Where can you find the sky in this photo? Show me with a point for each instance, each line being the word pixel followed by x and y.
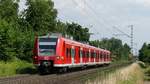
pixel 101 16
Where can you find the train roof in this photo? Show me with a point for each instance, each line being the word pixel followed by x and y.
pixel 82 44
pixel 73 42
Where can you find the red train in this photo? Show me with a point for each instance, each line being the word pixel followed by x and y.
pixel 54 51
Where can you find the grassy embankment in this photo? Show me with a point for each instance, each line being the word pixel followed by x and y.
pixel 147 73
pixel 132 74
pixel 15 67
pixel 146 69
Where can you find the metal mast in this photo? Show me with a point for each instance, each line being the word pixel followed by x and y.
pixel 132 46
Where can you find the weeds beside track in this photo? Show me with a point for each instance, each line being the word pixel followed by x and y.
pixel 75 77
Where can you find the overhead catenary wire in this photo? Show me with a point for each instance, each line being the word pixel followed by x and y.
pixel 95 17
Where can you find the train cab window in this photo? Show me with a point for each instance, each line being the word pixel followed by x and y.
pixel 47 46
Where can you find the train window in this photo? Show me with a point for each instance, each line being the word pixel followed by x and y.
pixel 101 55
pixel 87 54
pixel 48 39
pixel 98 55
pixel 83 53
pixel 67 52
pixel 104 56
pixel 92 54
pixel 107 56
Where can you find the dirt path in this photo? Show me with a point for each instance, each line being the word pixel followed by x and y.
pixel 147 82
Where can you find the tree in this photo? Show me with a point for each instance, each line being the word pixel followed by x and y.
pixel 78 32
pixel 9 10
pixel 8 25
pixel 41 15
pixel 144 53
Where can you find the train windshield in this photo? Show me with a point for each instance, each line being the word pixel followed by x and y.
pixel 47 46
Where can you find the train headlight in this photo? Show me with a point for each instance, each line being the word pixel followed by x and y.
pixel 62 58
pixel 58 57
pixel 35 58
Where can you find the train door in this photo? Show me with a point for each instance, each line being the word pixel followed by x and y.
pixel 68 54
pixel 73 55
pixel 77 54
pixel 101 56
pixel 81 55
pixel 97 56
pixel 94 56
pixel 89 55
pixel 104 57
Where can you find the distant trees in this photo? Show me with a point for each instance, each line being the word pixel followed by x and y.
pixel 118 50
pixel 144 53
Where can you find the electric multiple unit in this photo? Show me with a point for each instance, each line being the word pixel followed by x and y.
pixel 58 52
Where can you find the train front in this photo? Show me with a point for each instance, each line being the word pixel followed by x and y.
pixel 45 53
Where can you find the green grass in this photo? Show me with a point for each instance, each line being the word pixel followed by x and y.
pixel 15 67
pixel 147 73
pixel 132 74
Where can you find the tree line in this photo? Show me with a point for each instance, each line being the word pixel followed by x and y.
pixel 18 29
pixel 119 51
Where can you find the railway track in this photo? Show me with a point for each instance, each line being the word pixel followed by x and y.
pixel 67 78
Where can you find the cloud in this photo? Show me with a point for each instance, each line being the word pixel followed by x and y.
pixel 145 3
pixel 110 13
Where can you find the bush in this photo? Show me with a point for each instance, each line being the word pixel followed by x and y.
pixel 142 64
pixel 16 67
pixel 147 71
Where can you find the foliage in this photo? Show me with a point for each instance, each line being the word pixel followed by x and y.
pixel 144 53
pixel 41 15
pixel 9 10
pixel 8 26
pixel 142 64
pixel 17 30
pixel 78 32
pixel 15 67
pixel 118 50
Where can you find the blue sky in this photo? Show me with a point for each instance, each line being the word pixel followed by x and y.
pixel 101 15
